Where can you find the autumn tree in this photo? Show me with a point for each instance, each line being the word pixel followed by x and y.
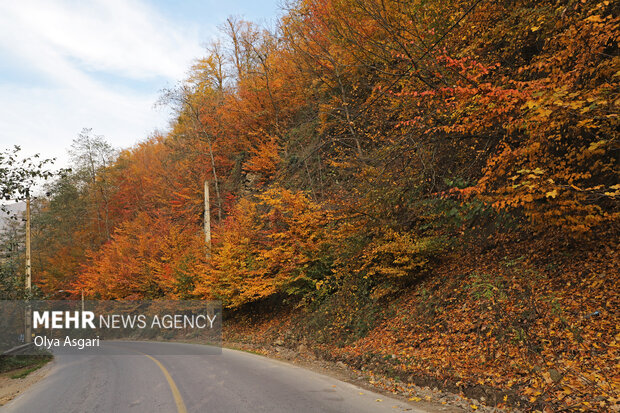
pixel 90 156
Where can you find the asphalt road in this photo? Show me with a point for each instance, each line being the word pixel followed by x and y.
pixel 146 377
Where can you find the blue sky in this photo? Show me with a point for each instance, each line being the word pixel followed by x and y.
pixel 101 64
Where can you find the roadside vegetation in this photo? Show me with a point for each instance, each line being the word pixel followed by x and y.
pixel 425 190
pixel 20 366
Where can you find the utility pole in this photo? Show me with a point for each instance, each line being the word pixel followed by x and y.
pixel 207 220
pixel 28 267
pixel 28 333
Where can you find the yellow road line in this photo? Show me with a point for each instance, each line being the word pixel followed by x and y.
pixel 175 391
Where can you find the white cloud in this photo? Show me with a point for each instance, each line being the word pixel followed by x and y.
pixel 96 64
pixel 45 120
pixel 124 37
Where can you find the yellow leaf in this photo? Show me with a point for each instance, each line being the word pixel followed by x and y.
pixel 473 406
pixel 415 399
pixel 552 194
pixel 544 112
pixel 595 145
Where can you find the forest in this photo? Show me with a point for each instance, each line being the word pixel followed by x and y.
pixel 424 190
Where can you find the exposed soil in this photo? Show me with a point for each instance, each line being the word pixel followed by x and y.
pixel 11 388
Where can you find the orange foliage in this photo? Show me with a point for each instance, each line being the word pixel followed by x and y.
pixel 334 147
pixel 266 247
pixel 148 257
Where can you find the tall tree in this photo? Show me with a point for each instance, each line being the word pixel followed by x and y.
pixel 90 155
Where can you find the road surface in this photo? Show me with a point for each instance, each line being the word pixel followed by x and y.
pixel 146 377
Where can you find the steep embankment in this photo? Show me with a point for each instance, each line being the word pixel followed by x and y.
pixel 519 324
